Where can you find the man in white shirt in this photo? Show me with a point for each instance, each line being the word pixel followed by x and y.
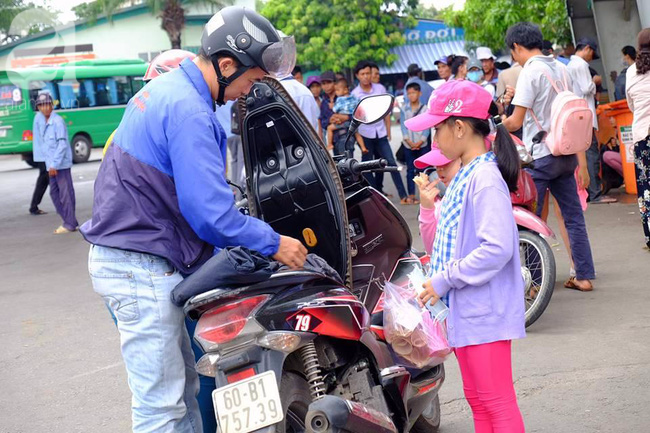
pixel 534 94
pixel 584 86
pixel 303 98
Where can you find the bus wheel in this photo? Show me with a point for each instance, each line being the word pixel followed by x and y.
pixel 81 147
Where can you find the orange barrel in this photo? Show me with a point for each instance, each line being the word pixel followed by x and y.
pixel 623 117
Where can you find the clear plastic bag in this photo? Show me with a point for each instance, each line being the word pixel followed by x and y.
pixel 415 337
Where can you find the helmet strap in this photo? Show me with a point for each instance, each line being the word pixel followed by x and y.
pixel 225 81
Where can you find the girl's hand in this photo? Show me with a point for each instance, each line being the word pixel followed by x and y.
pixel 429 294
pixel 428 191
pixel 583 177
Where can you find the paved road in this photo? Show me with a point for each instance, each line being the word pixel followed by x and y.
pixel 583 368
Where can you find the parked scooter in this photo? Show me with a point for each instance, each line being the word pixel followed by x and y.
pixel 537 259
pixel 302 351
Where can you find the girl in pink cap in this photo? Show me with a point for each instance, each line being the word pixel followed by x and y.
pixel 430 201
pixel 475 261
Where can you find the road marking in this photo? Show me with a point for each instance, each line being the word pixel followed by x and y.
pixel 97 370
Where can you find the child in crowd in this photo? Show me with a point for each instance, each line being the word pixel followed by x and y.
pixel 345 104
pixel 415 144
pixel 476 252
pixel 430 196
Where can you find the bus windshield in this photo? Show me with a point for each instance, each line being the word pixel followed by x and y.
pixel 10 94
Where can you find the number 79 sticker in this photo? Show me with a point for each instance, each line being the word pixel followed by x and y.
pixel 303 322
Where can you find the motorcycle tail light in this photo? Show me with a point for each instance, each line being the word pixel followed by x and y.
pixel 225 322
pixel 27 135
pixel 281 341
pixel 207 365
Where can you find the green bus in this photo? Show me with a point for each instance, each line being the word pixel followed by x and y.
pixel 90 95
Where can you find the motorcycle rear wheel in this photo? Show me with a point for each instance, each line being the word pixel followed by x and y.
pixel 295 398
pixel 429 421
pixel 538 270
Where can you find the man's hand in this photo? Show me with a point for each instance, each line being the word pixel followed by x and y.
pixel 291 252
pixel 508 95
pixel 597 80
pixel 52 172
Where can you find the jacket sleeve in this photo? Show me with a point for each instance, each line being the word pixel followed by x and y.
pixel 205 199
pixel 428 226
pixel 402 119
pixel 55 158
pixel 495 244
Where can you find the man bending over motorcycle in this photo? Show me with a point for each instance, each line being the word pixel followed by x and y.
pixel 162 207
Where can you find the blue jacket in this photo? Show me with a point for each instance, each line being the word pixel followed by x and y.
pixel 50 142
pixel 161 188
pixel 38 148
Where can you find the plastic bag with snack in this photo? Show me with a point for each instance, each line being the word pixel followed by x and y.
pixel 417 339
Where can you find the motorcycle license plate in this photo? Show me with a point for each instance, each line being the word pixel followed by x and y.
pixel 249 404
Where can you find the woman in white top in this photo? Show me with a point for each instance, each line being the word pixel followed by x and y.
pixel 637 89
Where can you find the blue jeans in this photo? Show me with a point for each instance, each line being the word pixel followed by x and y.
pixel 410 156
pixel 380 148
pixel 593 166
pixel 557 174
pixel 154 341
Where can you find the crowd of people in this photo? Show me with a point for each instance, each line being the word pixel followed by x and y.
pixel 170 175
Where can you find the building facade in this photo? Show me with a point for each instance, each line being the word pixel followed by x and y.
pixel 131 33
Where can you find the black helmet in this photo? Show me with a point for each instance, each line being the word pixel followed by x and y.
pixel 250 38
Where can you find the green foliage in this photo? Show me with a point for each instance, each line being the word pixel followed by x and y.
pixel 336 34
pixel 486 22
pixel 428 13
pixel 88 11
pixel 38 20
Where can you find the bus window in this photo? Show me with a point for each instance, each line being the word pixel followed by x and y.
pixel 38 87
pixel 10 95
pixel 77 93
pixel 137 83
pixel 119 90
pixel 68 93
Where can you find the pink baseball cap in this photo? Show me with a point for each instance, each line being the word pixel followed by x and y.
pixel 433 158
pixel 461 98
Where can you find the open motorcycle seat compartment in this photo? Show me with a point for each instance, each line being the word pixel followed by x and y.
pixel 292 181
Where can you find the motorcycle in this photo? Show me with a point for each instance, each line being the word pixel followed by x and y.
pixel 302 351
pixel 537 260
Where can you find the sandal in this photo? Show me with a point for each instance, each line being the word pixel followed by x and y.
pixel 62 230
pixel 38 212
pixel 405 200
pixel 413 200
pixel 571 284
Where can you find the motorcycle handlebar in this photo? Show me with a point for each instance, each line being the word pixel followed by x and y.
pixel 376 164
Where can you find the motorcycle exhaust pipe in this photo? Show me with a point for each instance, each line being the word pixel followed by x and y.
pixel 331 414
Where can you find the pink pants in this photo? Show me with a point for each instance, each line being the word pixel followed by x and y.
pixel 487 381
pixel 614 160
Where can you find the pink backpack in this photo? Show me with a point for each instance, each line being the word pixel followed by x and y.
pixel 571 121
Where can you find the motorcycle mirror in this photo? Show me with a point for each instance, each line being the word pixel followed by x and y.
pixel 373 108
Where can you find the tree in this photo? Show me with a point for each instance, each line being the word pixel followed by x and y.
pixel 427 12
pixel 336 34
pixel 170 12
pixel 486 23
pixel 19 19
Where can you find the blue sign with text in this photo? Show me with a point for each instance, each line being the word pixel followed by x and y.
pixel 433 31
